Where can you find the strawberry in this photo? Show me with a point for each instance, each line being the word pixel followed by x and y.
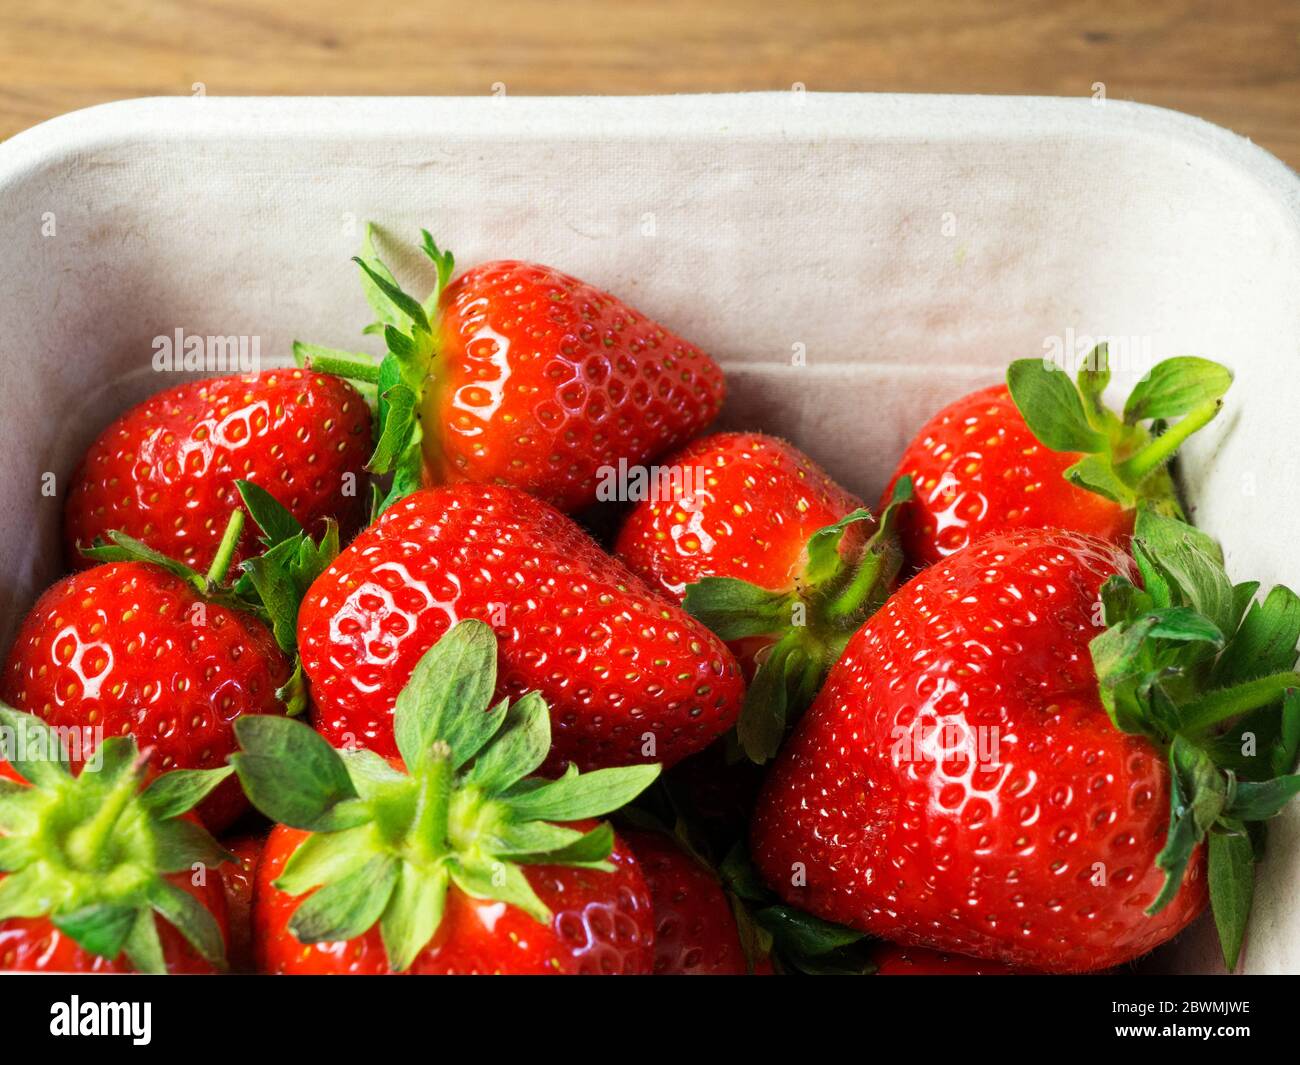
pixel 518 374
pixel 695 929
pixel 893 960
pixel 93 860
pixel 988 772
pixel 628 677
pixel 1039 454
pixel 451 858
pixel 238 877
pixel 164 473
pixel 143 645
pixel 773 556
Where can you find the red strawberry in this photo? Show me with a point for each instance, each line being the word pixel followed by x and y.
pixel 629 678
pixel 237 880
pixel 1037 454
pixel 601 924
pixel 93 860
pixel 519 374
pixel 452 859
pixel 751 504
pixel 893 960
pixel 146 647
pixel 773 556
pixel 695 929
pixel 164 473
pixel 1031 830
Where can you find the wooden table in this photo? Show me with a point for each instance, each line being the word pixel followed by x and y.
pixel 1235 63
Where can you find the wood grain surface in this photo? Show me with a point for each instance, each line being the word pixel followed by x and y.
pixel 1235 62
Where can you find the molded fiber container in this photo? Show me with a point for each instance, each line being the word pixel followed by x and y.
pixel 853 261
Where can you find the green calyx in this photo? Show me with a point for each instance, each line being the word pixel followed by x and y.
pixel 836 592
pixel 91 852
pixel 396 384
pixel 271 585
pixel 386 845
pixel 1124 459
pixel 1207 672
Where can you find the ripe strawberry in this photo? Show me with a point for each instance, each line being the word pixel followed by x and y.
pixel 238 877
pixel 519 374
pixel 459 863
pixel 164 473
pixel 893 960
pixel 146 647
pixel 1037 454
pixel 773 556
pixel 628 677
pixel 92 860
pixel 695 929
pixel 1039 828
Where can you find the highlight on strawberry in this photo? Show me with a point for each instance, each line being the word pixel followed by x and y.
pixel 144 645
pixel 105 870
pixel 453 858
pixel 1075 743
pixel 518 374
pixel 1041 452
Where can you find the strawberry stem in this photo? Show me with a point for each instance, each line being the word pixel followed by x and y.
pixel 429 826
pixel 863 583
pixel 1160 450
pixel 1227 703
pixel 226 550
pixel 85 844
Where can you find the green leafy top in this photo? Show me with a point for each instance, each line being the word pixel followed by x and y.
pixel 1205 671
pixel 271 585
pixel 836 592
pixel 386 845
pixel 91 852
pixel 396 383
pixel 1122 459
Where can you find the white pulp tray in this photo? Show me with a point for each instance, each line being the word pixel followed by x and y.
pixel 854 261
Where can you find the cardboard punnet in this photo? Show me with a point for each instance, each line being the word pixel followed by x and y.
pixel 853 260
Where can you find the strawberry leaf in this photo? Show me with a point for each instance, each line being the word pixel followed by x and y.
pixel 1260 801
pixel 520 747
pixel 574 796
pixel 272 517
pixel 765 711
pixel 734 609
pixel 101 928
pixel 1231 879
pixel 1051 407
pixel 293 776
pixel 175 793
pixel 348 907
pixel 1176 387
pixel 412 916
pixel 448 695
